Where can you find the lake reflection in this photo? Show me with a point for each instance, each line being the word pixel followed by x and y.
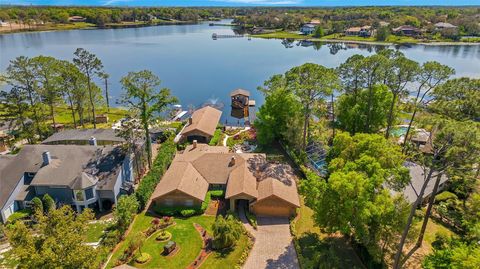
pixel 198 69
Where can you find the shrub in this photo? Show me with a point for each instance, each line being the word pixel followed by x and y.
pixel 226 232
pixel 160 165
pixel 143 258
pixel 252 219
pixel 37 205
pixel 124 212
pixel 216 137
pixel 111 238
pixel 188 212
pixel 18 215
pixel 444 196
pixel 205 202
pixel 48 203
pixel 164 235
pixel 217 194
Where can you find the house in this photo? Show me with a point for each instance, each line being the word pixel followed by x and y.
pixel 315 22
pixel 418 176
pixel 4 23
pixel 84 137
pixel 266 188
pixel 444 25
pixel 202 124
pixel 364 31
pixel 240 98
pixel 76 19
pixel 102 118
pixel 308 29
pixel 80 176
pixel 407 30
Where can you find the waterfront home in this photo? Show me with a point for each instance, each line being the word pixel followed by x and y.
pixel 247 178
pixel 84 137
pixel 444 25
pixel 364 31
pixel 315 22
pixel 4 23
pixel 201 125
pixel 80 176
pixel 240 98
pixel 407 30
pixel 307 29
pixel 76 19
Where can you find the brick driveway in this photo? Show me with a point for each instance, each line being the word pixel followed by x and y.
pixel 273 246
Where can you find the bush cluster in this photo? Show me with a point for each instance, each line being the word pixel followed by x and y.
pixel 217 194
pixel 216 137
pixel 160 165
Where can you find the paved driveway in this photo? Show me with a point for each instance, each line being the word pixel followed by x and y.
pixel 273 248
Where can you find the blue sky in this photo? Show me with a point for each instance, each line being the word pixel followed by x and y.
pixel 242 2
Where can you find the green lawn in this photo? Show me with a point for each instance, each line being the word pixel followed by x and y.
pixel 318 250
pixel 283 34
pixel 63 115
pixel 95 231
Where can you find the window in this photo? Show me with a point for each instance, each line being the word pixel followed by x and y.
pixel 79 195
pixel 89 193
pixel 189 202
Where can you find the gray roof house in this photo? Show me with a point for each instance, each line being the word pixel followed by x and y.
pixel 308 29
pixel 78 175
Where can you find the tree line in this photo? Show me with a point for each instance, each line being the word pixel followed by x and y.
pixel 365 166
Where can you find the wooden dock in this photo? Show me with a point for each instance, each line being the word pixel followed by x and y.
pixel 216 36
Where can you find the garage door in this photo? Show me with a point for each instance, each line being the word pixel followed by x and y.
pixel 262 210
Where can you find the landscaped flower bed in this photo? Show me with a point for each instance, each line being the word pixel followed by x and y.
pixel 163 236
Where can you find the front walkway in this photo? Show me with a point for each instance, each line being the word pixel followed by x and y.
pixel 273 246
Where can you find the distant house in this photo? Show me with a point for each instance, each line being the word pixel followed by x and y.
pixel 407 30
pixel 315 22
pixel 202 124
pixel 80 176
pixel 364 31
pixel 307 29
pixel 4 24
pixel 444 25
pixel 76 19
pixel 84 137
pixel 265 188
pixel 102 118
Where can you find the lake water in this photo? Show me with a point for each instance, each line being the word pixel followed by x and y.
pixel 199 69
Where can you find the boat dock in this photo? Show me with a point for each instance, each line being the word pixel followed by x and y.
pixel 216 36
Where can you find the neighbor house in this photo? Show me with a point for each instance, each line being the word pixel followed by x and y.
pixel 308 29
pixel 407 30
pixel 364 31
pixel 265 188
pixel 202 124
pixel 76 19
pixel 444 25
pixel 78 175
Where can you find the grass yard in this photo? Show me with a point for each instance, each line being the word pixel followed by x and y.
pixel 226 259
pixel 283 34
pixel 317 249
pixel 95 231
pixel 187 238
pixel 64 115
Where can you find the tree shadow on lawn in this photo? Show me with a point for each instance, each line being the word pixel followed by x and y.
pixel 328 252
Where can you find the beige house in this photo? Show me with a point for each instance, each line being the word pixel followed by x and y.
pixel 266 188
pixel 201 126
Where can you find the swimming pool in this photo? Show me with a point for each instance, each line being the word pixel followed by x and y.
pixel 398 131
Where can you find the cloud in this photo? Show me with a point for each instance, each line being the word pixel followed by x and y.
pixel 261 2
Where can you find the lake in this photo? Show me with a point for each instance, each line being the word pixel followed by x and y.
pixel 199 69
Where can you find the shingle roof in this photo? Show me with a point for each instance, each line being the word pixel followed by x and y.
pixel 240 92
pixel 205 165
pixel 68 162
pixel 182 176
pixel 273 187
pixel 204 120
pixel 84 135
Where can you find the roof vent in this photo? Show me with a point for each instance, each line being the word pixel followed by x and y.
pixel 232 161
pixel 47 159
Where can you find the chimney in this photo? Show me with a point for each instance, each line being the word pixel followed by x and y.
pixel 46 158
pixel 92 141
pixel 190 121
pixel 232 161
pixel 194 144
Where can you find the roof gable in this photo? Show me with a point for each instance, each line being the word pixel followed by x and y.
pixel 204 120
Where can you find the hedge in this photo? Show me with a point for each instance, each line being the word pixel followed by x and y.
pixel 18 215
pixel 444 196
pixel 217 193
pixel 160 165
pixel 216 137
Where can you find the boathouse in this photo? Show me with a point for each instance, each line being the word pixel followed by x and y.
pixel 240 98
